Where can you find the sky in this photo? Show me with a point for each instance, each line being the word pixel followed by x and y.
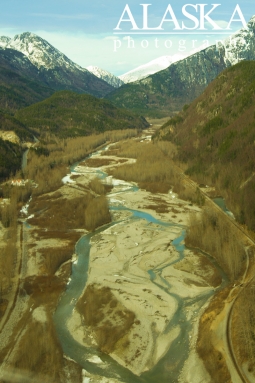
pixel 120 35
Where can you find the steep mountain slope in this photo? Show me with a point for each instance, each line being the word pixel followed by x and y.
pixel 106 76
pixel 172 88
pixel 18 85
pixel 53 68
pixel 149 68
pixel 69 114
pixel 216 136
pixel 39 51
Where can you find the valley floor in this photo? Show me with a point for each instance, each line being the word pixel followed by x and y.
pixel 123 259
pixel 144 297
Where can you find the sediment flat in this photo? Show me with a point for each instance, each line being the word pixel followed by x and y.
pixel 124 257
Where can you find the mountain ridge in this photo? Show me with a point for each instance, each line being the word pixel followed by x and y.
pixel 169 90
pixel 53 68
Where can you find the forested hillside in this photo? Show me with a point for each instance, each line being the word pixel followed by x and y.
pixel 70 114
pixel 216 135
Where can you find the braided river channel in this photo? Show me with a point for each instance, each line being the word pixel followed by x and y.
pixel 188 309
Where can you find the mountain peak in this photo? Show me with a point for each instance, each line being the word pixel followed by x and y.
pixel 170 89
pixel 25 35
pixel 33 56
pixel 251 21
pixel 105 75
pixel 39 51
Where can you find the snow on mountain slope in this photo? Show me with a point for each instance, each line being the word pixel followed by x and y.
pixel 116 82
pixel 40 52
pixel 181 82
pixel 241 45
pixel 4 40
pixel 151 67
pixel 52 67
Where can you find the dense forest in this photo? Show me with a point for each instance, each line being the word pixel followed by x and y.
pixel 70 114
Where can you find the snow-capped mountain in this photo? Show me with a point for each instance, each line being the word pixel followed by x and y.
pixel 55 69
pixel 39 51
pixel 151 67
pixel 115 81
pixel 181 82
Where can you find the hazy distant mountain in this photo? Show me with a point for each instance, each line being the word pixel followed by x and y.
pixel 151 67
pixel 169 90
pixel 54 69
pixel 114 81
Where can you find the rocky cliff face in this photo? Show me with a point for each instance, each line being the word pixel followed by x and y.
pixel 179 84
pixel 53 68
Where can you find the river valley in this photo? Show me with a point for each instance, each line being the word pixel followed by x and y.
pixel 127 307
pixel 141 259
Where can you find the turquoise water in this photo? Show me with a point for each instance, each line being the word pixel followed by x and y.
pixel 74 289
pixel 168 368
pixel 222 204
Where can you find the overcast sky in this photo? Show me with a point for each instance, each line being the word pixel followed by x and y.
pixel 85 30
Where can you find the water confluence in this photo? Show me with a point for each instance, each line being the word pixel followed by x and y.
pixel 169 366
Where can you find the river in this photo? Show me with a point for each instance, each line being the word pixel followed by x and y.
pixel 169 366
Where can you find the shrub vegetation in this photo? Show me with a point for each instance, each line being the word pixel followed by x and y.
pixel 215 138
